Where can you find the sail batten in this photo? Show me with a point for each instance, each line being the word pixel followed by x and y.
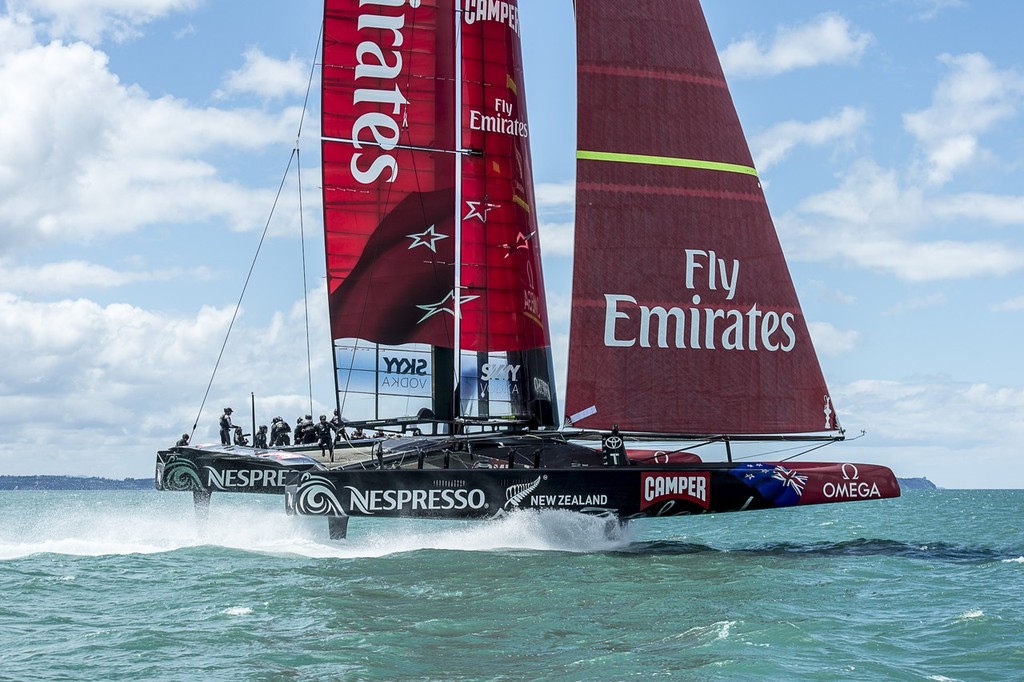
pixel 618 157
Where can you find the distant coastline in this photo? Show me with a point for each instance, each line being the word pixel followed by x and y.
pixel 74 483
pixel 916 484
pixel 97 483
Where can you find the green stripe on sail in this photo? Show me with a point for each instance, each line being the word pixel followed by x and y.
pixel 666 161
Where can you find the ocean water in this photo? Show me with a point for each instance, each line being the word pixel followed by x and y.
pixel 126 586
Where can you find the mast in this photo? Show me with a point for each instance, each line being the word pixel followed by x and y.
pixel 456 370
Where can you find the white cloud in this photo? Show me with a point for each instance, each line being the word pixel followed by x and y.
pixel 919 303
pixel 557 239
pixel 74 172
pixel 773 145
pixel 16 33
pixel 995 209
pixel 939 408
pixel 76 276
pixel 929 9
pixel 556 221
pixel 1011 305
pixel 126 381
pixel 92 20
pixel 972 99
pixel 828 340
pixel 954 432
pixel 556 193
pixel 869 196
pixel 827 39
pixel 873 221
pixel 267 77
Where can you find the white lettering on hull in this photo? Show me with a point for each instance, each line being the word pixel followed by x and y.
pixel 234 479
pixel 850 490
pixel 568 500
pixel 372 501
pixel 656 488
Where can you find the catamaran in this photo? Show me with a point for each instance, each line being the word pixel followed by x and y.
pixel 686 335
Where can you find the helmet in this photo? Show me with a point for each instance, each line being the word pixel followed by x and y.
pixel 228 410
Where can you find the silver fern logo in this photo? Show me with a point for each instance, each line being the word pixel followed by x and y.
pixel 518 492
pixel 181 474
pixel 317 496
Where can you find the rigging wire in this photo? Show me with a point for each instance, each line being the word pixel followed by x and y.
pixel 305 289
pixel 266 228
pixel 302 224
pixel 245 286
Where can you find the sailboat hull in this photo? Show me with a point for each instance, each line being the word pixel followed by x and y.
pixel 626 492
pixel 445 479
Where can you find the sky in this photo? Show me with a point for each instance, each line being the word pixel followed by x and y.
pixel 143 142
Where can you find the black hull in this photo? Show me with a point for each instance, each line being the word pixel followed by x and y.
pixel 450 479
pixel 230 469
pixel 626 492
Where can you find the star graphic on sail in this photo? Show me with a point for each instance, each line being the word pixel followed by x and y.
pixel 521 243
pixel 439 307
pixel 428 238
pixel 479 209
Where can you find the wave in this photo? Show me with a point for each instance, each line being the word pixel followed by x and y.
pixel 936 551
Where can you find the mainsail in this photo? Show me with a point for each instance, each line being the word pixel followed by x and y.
pixel 388 148
pixel 685 319
pixel 432 247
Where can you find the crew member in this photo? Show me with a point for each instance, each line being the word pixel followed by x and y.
pixel 260 439
pixel 325 436
pixel 336 422
pixel 226 427
pixel 183 440
pixel 309 434
pixel 279 432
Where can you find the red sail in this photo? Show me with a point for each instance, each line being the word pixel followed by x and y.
pixel 685 319
pixel 504 315
pixel 503 289
pixel 389 169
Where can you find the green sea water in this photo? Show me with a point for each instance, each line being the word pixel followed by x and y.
pixel 126 586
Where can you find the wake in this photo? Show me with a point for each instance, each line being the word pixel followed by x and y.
pixel 265 528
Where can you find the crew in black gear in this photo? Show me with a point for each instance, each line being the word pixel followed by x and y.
pixel 226 427
pixel 260 439
pixel 325 436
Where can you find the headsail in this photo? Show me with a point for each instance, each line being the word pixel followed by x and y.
pixel 685 319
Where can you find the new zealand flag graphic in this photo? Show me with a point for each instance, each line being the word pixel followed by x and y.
pixel 777 485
